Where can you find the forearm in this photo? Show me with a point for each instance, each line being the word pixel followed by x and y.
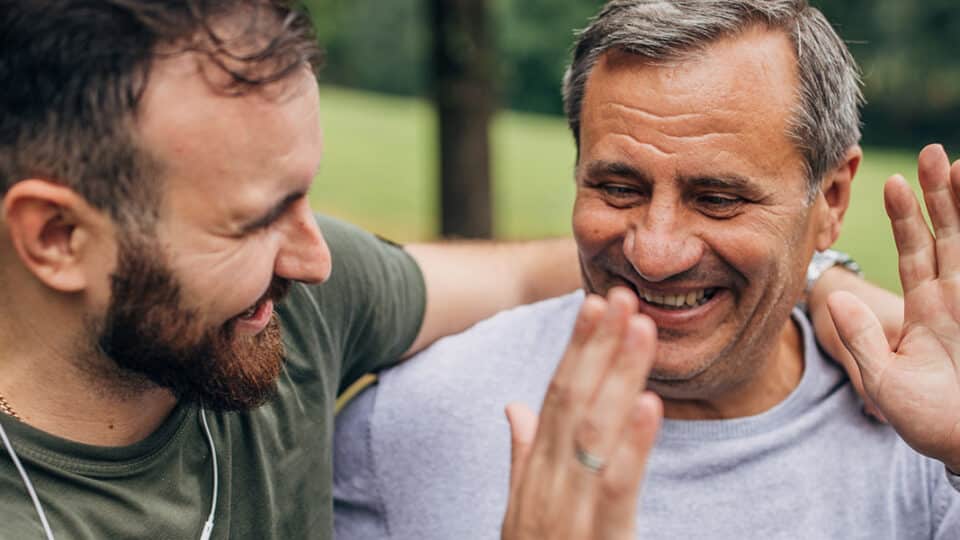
pixel 471 280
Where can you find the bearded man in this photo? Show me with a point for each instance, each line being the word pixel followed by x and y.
pixel 717 142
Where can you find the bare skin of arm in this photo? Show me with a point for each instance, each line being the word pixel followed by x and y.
pixel 470 281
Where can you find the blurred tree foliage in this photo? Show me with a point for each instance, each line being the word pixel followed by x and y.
pixel 907 50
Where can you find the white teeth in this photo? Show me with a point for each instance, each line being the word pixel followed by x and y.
pixel 690 299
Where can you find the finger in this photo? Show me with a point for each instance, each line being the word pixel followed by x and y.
pixel 591 311
pixel 601 427
pixel 523 431
pixel 846 360
pixel 917 256
pixel 826 332
pixel 938 194
pixel 599 352
pixel 955 179
pixel 623 477
pixel 566 390
pixel 572 389
pixel 863 336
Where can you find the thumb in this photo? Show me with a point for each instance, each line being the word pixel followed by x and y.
pixel 523 430
pixel 861 333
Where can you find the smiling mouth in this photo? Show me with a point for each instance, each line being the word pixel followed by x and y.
pixel 688 300
pixel 254 311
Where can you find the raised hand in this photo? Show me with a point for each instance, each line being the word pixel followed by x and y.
pixel 576 471
pixel 917 385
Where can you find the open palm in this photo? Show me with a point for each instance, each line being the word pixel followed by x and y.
pixel 917 386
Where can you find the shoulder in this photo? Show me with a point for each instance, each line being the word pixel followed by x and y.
pixel 361 259
pixel 369 310
pixel 435 427
pixel 457 389
pixel 463 380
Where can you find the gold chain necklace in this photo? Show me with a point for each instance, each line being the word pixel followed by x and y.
pixel 5 408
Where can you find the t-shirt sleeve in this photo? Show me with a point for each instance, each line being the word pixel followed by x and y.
pixel 372 306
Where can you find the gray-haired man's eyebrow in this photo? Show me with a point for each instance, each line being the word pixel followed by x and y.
pixel 723 181
pixel 618 169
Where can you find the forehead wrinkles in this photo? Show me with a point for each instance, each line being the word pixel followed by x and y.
pixel 662 133
pixel 744 86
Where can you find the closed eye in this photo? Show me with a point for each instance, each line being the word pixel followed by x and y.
pixel 274 214
pixel 718 205
pixel 618 191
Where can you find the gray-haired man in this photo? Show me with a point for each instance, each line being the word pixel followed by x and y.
pixel 717 142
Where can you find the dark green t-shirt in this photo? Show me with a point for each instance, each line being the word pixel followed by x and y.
pixel 274 462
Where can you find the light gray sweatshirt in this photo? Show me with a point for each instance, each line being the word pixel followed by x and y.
pixel 425 454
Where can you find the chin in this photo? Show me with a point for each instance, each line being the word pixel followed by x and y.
pixel 683 380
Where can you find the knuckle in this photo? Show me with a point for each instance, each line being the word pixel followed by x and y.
pixel 563 394
pixel 616 488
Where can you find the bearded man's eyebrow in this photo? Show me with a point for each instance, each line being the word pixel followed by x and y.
pixel 274 213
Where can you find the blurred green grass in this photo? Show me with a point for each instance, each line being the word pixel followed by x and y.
pixel 379 172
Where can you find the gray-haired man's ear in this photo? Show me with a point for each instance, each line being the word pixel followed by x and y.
pixel 835 192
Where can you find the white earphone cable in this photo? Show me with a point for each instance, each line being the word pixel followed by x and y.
pixel 207 526
pixel 26 482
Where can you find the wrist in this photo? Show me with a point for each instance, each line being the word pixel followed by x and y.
pixel 830 271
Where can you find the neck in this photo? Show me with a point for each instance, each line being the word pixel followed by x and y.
pixel 48 376
pixel 769 384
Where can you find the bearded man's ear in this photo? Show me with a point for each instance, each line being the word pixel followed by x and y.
pixel 55 233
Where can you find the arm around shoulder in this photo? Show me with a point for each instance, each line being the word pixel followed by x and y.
pixel 471 280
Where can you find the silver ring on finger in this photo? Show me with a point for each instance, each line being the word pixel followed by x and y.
pixel 591 462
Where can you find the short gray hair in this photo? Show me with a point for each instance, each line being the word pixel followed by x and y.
pixel 827 120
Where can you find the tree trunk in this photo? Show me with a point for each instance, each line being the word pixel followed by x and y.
pixel 463 94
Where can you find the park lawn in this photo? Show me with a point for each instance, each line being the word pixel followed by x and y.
pixel 379 171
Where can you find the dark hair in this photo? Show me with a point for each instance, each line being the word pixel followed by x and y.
pixel 72 74
pixel 826 122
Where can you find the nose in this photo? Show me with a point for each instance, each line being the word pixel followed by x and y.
pixel 660 245
pixel 303 255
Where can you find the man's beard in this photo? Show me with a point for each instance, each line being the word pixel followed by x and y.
pixel 151 337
